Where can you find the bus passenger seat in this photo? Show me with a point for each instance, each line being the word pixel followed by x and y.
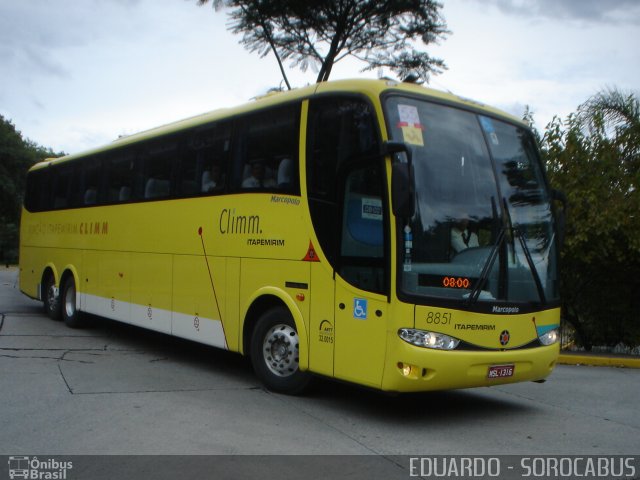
pixel 285 172
pixel 125 194
pixel 156 188
pixel 207 182
pixel 90 196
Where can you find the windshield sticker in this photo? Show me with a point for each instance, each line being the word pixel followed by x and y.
pixel 410 125
pixel 408 246
pixel 409 114
pixel 487 126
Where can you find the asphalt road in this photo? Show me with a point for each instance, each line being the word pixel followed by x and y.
pixel 115 389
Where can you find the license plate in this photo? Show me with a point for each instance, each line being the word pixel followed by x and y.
pixel 501 371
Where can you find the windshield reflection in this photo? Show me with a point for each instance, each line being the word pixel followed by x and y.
pixel 483 227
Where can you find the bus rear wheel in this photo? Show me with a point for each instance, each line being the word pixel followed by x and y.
pixel 275 353
pixel 51 297
pixel 70 314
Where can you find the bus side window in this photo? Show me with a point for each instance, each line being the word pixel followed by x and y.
pixel 205 162
pixel 158 160
pixel 268 158
pixel 91 181
pixel 362 240
pixel 76 189
pixel 38 191
pixel 121 174
pixel 340 131
pixel 63 185
pixel 188 174
pixel 362 232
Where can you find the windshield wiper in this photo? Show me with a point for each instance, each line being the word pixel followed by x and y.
pixel 486 269
pixel 484 275
pixel 513 232
pixel 525 248
pixel 506 232
pixel 532 266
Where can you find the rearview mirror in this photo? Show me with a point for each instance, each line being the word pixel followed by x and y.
pixel 402 190
pixel 392 148
pixel 402 180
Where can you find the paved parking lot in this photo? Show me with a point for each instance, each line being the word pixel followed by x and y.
pixel 115 389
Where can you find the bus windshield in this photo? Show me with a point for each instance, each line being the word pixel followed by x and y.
pixel 483 226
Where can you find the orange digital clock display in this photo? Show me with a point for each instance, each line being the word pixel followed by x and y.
pixel 446 281
pixel 456 282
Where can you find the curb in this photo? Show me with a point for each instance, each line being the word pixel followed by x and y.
pixel 598 361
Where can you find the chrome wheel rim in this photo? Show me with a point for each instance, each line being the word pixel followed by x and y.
pixel 52 298
pixel 280 350
pixel 70 301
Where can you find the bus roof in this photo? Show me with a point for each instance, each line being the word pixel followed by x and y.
pixel 369 87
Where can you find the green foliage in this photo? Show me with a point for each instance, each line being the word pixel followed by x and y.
pixel 382 34
pixel 16 156
pixel 593 156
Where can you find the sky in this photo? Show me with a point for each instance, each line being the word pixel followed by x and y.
pixel 76 74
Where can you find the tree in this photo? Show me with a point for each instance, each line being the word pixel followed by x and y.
pixel 380 33
pixel 593 157
pixel 618 114
pixel 16 156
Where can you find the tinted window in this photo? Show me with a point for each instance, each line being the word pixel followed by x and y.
pixel 63 186
pixel 362 245
pixel 91 181
pixel 196 162
pixel 158 158
pixel 341 131
pixel 205 164
pixel 269 150
pixel 482 224
pixel 121 172
pixel 38 191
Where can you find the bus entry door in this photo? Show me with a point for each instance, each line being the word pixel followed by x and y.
pixel 360 336
pixel 360 279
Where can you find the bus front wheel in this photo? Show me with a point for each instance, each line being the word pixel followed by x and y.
pixel 275 352
pixel 70 314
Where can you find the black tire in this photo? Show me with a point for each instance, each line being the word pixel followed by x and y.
pixel 51 298
pixel 70 314
pixel 275 353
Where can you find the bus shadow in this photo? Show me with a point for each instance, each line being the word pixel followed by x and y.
pixel 417 409
pixel 190 354
pixel 437 407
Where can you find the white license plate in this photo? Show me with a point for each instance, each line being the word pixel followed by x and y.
pixel 501 371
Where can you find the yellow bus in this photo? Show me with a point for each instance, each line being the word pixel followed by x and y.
pixel 372 231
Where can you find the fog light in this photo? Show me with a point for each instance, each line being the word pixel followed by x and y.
pixel 405 369
pixel 550 337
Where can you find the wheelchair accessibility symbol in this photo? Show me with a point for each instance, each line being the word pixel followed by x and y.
pixel 360 308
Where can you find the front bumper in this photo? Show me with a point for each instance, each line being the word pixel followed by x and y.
pixel 415 369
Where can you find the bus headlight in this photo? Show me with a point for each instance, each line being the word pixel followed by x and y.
pixel 549 338
pixel 422 338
